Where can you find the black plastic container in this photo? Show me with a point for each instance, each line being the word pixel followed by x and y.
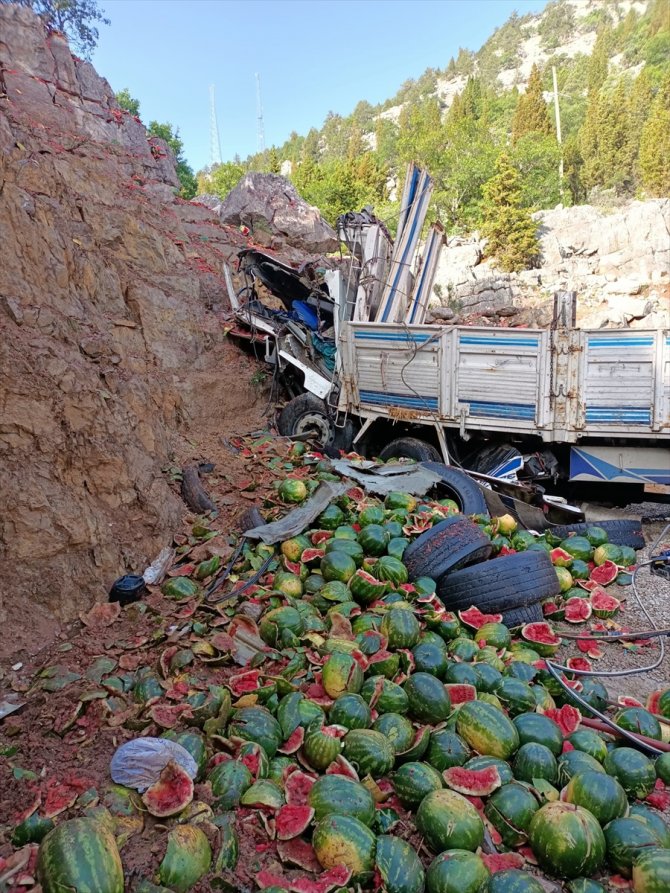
pixel 127 589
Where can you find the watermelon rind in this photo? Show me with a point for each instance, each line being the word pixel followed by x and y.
pixel 187 858
pixel 651 871
pixel 456 871
pixel 634 771
pixel 510 810
pixel 601 794
pixel 337 795
pixel 487 730
pixel 82 855
pixel 626 839
pixel 448 820
pixel 567 840
pixel 344 840
pixel 413 781
pixel 398 865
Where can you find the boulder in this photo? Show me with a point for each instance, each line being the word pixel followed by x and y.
pixel 270 204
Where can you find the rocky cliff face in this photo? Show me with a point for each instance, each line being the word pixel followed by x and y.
pixel 110 338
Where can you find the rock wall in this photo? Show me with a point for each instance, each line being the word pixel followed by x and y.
pixel 618 262
pixel 111 351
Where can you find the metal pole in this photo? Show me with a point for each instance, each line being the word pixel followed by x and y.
pixel 558 129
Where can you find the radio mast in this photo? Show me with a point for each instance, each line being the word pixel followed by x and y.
pixel 214 139
pixel 260 128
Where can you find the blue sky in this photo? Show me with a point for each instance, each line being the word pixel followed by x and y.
pixel 313 56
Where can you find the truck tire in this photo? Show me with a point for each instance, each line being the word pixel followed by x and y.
pixel 307 414
pixel 527 614
pixel 410 448
pixel 460 487
pixel 501 584
pixel 627 532
pixel 449 545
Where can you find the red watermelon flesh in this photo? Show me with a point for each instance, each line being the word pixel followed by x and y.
pixel 502 861
pixel 541 633
pixel 294 742
pixel 298 852
pixel 338 876
pixel 566 717
pixel 293 820
pixel 578 663
pixel 311 555
pixel 459 693
pixel 589 585
pixel 627 701
pixel 297 787
pixel 321 536
pixel 472 782
pixel 577 610
pixel 604 574
pixel 474 618
pixel 171 793
pixel 560 557
pixel 342 766
pixel 603 604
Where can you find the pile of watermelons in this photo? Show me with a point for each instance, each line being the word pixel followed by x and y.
pixel 382 742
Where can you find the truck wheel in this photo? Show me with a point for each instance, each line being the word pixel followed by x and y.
pixel 460 487
pixel 451 544
pixel 528 614
pixel 410 448
pixel 307 414
pixel 621 533
pixel 501 584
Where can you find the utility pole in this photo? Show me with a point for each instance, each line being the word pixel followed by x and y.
pixel 260 128
pixel 558 129
pixel 214 139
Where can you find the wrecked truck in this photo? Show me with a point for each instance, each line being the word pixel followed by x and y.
pixel 351 347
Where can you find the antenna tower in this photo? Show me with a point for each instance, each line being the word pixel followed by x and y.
pixel 260 128
pixel 214 138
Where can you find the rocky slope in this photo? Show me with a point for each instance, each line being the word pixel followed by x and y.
pixel 111 347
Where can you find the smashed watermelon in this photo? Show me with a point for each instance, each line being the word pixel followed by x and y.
pixel 604 574
pixel 473 782
pixel 577 610
pixel 604 605
pixel 171 793
pixel 474 618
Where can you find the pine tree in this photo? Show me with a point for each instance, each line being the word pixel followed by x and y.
pixel 599 61
pixel 532 114
pixel 509 228
pixel 607 145
pixel 274 161
pixel 655 144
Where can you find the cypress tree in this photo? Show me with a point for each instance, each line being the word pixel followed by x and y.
pixel 531 115
pixel 655 144
pixel 509 228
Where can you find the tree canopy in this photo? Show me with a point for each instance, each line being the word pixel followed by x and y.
pixel 77 19
pixel 167 132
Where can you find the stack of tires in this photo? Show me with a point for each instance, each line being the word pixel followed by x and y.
pixel 456 554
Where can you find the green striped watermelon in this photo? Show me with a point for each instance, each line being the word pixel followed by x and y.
pixel 187 858
pixel 365 588
pixel 457 871
pixel 343 840
pixel 398 865
pixel 448 821
pixel 337 795
pixel 391 570
pixel 398 729
pixel 533 761
pixel 413 781
pixel 80 855
pixel 567 840
pixel 350 711
pixel 539 728
pixel 428 698
pixel 487 730
pixel 374 539
pixel 369 751
pixel 651 871
pixel 601 794
pixel 229 780
pixel 628 838
pixel 510 810
pixel 513 880
pixel 401 628
pixel 633 770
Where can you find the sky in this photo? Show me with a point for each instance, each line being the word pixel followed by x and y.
pixel 313 56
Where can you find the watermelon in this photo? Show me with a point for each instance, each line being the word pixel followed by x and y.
pixel 341 672
pixel 331 518
pixel 350 711
pixel 541 729
pixel 170 793
pixel 651 871
pixel 278 622
pixel 456 871
pixel 463 649
pixel 579 569
pixel 578 546
pixel 366 588
pixel 495 634
pixel 565 580
pixel 428 698
pixel 259 725
pixel 486 729
pixel 460 692
pixel 448 821
pixel 396 547
pixel 510 810
pixel 596 535
pixel 560 558
pixel 413 781
pixel 398 865
pixel 229 780
pixel 488 677
pixel 640 721
pixel 344 840
pixel 589 742
pixel 632 769
pixel 194 743
pixel 584 885
pixel 187 858
pixel 474 618
pixel 322 745
pixel 430 657
pixel 659 702
pixel 504 769
pixel 628 556
pixel 398 729
pixel 446 749
pixel 662 766
pixel 574 762
pixel 32 829
pixel 461 674
pixel 567 840
pixel 607 552
pixel 180 588
pixel 374 539
pixel 654 819
pixel 292 490
pixel 348 547
pixel 384 696
pixel 523 540
pixel 542 637
pixel 371 514
pixel 81 855
pixel 294 547
pixel 601 794
pixel 515 695
pixel 603 604
pixel 474 783
pixel 626 839
pixel 533 761
pixel 604 574
pixel 337 566
pixel 577 610
pixel 337 795
pixel 390 570
pixel 513 880
pixel 401 628
pixel 370 752
pixel 397 500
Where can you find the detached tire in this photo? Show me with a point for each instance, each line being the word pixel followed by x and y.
pixel 410 448
pixel 460 487
pixel 519 616
pixel 306 414
pixel 502 584
pixel 449 545
pixel 627 532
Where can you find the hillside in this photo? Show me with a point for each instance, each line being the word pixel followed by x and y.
pixel 612 61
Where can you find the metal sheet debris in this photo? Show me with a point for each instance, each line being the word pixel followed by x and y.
pixel 300 518
pixel 385 479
